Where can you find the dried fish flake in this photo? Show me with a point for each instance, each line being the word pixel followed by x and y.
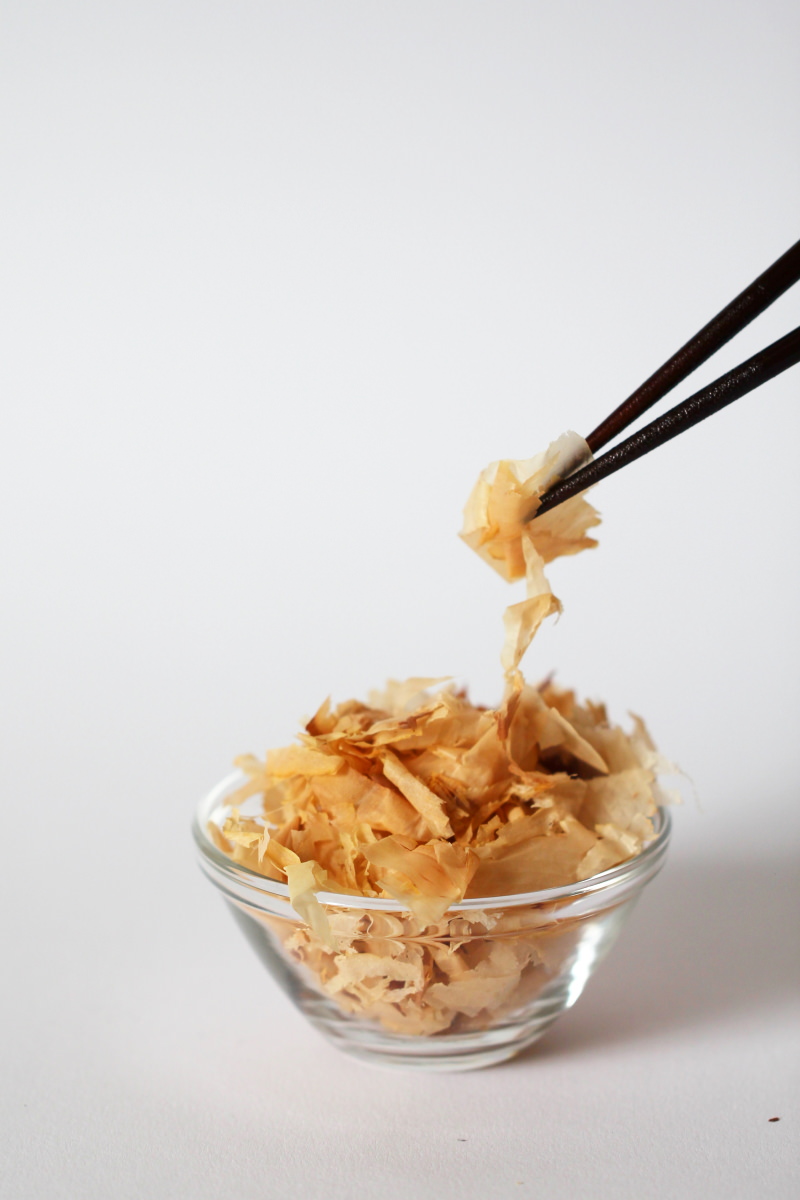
pixel 422 797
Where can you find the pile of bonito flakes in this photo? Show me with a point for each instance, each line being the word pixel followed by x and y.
pixel 421 796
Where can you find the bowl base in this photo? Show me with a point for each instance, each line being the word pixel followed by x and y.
pixel 468 1052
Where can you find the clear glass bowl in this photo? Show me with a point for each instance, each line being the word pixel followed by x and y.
pixel 474 989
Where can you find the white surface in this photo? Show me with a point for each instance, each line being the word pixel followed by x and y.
pixel 278 281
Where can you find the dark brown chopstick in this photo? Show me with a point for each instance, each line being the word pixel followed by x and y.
pixel 740 312
pixel 742 379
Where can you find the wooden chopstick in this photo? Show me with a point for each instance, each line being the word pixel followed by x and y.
pixel 740 312
pixel 742 379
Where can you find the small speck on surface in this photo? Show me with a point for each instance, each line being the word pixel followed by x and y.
pixel 774 1119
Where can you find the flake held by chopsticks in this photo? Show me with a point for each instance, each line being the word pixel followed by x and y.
pixel 495 527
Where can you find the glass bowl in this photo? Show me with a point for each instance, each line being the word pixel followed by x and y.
pixel 474 989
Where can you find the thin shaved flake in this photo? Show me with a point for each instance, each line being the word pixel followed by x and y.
pixel 422 797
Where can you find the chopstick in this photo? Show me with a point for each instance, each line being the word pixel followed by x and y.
pixel 723 391
pixel 720 329
pixel 782 354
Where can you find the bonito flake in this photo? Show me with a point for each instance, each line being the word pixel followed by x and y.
pixel 424 798
pixel 495 527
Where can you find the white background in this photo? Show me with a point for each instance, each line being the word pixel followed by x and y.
pixel 278 280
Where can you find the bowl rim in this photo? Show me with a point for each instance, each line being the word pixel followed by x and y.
pixel 217 864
